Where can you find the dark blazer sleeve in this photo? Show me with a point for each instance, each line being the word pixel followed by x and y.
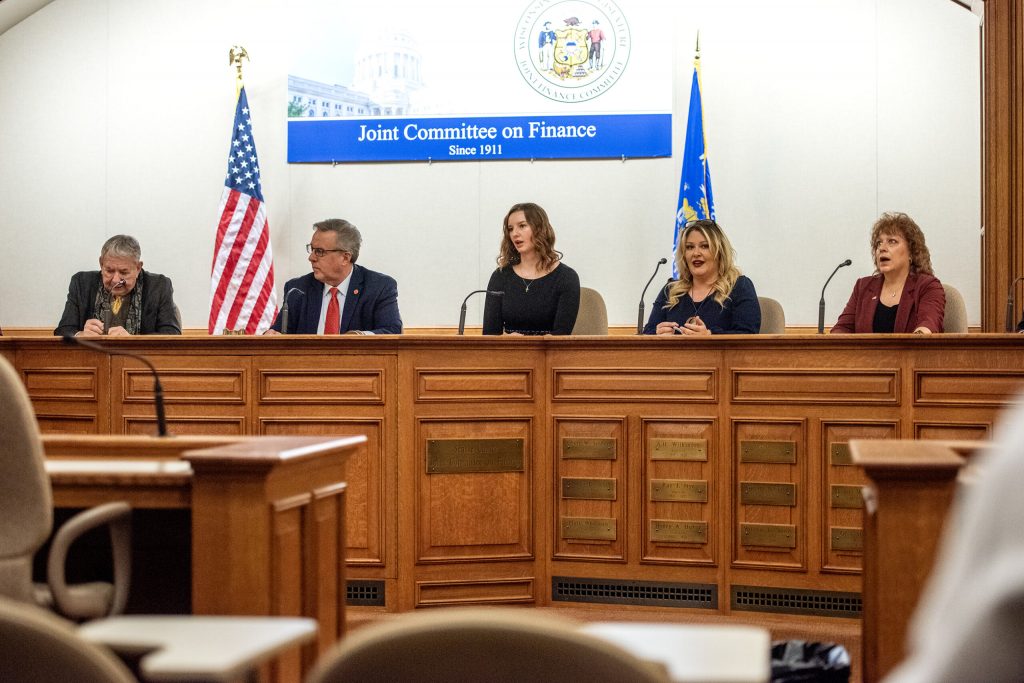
pixel 297 301
pixel 78 306
pixel 568 306
pixel 659 313
pixel 159 314
pixel 745 309
pixel 380 312
pixel 492 305
pixel 847 323
pixel 1020 325
pixel 931 304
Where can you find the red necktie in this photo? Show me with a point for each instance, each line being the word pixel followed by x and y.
pixel 332 324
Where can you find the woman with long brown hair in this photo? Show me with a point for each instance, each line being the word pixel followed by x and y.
pixel 542 294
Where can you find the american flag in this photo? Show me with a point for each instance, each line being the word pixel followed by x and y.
pixel 242 283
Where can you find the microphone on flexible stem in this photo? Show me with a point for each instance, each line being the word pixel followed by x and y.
pixel 158 390
pixel 821 302
pixel 640 313
pixel 284 308
pixel 1010 301
pixel 462 313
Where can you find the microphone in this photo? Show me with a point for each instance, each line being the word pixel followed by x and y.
pixel 1010 301
pixel 821 302
pixel 158 390
pixel 284 308
pixel 640 313
pixel 462 313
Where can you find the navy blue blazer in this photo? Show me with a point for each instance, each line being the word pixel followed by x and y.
pixel 741 313
pixel 371 304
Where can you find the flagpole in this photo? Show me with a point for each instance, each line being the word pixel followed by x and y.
pixel 235 56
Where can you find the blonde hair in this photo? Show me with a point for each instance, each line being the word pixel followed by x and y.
pixel 721 251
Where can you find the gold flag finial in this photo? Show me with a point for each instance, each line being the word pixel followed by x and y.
pixel 235 56
pixel 697 56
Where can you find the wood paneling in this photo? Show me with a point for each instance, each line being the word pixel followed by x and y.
pixel 637 415
pixel 1003 160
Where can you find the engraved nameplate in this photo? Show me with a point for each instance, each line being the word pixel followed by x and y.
pixel 847 497
pixel 588 449
pixel 679 449
pixel 678 491
pixel 675 531
pixel 844 538
pixel 768 451
pixel 767 494
pixel 768 535
pixel 588 489
pixel 458 456
pixel 588 528
pixel 840 453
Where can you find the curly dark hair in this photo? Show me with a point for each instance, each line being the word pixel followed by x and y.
pixel 899 223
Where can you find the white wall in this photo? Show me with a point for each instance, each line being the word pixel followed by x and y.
pixel 819 114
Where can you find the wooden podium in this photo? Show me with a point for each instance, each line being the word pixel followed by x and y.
pixel 268 513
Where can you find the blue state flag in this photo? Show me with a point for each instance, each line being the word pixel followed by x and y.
pixel 695 199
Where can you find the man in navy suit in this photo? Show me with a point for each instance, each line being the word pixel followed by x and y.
pixel 339 297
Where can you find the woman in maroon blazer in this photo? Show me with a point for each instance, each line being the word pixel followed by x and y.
pixel 902 295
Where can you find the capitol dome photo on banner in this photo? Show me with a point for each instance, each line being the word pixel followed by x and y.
pixel 528 79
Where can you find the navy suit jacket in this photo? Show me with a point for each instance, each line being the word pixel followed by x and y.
pixel 371 304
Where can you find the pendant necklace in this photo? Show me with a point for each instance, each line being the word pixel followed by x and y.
pixel 526 283
pixel 696 308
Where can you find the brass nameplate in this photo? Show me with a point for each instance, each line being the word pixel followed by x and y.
pixel 458 456
pixel 768 535
pixel 588 489
pixel 768 451
pixel 679 449
pixel 844 538
pixel 840 453
pixel 767 494
pixel 674 531
pixel 847 497
pixel 588 528
pixel 588 449
pixel 678 491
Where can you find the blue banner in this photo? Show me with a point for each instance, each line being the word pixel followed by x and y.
pixel 592 136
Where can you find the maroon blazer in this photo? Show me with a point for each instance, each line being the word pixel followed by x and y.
pixel 923 304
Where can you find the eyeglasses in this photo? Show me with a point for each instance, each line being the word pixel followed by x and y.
pixel 310 249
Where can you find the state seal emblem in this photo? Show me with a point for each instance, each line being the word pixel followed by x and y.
pixel 573 50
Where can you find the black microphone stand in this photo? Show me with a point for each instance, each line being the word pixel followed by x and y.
pixel 158 390
pixel 284 308
pixel 821 301
pixel 1010 299
pixel 462 311
pixel 640 313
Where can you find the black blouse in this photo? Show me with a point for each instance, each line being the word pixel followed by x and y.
pixel 547 305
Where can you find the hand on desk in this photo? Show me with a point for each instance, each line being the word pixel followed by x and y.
pixel 693 327
pixel 93 328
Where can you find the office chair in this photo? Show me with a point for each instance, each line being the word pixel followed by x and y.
pixel 955 317
pixel 593 315
pixel 38 647
pixel 479 644
pixel 773 318
pixel 26 520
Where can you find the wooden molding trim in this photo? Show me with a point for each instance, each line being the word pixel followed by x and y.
pixel 1002 158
